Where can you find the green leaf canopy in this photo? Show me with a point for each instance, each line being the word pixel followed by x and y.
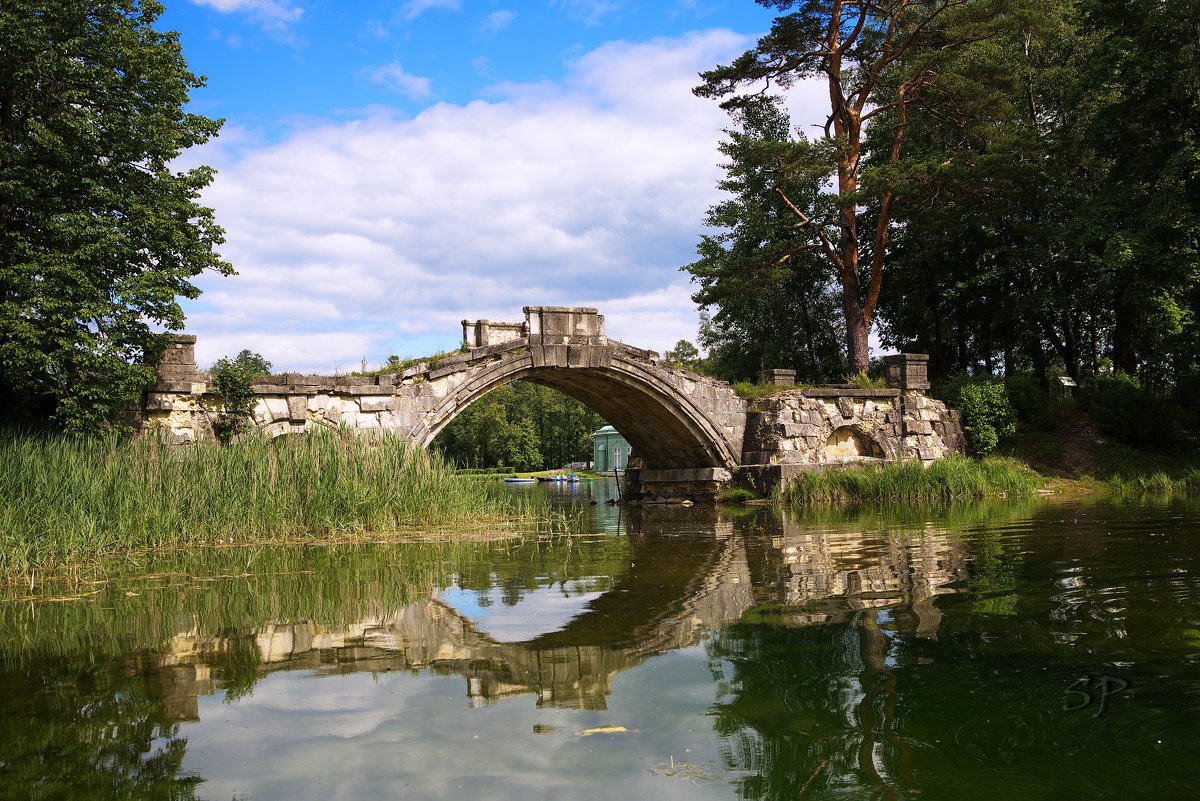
pixel 99 236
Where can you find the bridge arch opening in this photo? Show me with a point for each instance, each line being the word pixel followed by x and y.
pixel 653 418
pixel 849 444
pixel 521 425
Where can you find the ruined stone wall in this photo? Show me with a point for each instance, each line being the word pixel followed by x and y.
pixel 838 426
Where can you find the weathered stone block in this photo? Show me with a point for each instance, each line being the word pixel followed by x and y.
pixel 297 408
pixel 562 323
pixel 440 372
pixel 907 370
pixel 377 403
pixel 176 372
pixel 760 418
pixel 919 427
pixel 778 378
pixel 415 370
pixel 160 401
pixel 272 409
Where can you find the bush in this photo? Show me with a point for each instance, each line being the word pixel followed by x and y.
pixel 988 415
pixel 738 495
pixel 1127 411
pixel 233 378
pixel 865 380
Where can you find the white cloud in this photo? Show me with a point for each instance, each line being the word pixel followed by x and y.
pixel 394 77
pixel 496 22
pixel 273 12
pixel 587 11
pixel 377 236
pixel 415 8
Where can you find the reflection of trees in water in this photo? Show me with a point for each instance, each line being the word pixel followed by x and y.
pixel 820 620
pixel 95 732
pixel 845 680
pixel 808 710
pixel 810 706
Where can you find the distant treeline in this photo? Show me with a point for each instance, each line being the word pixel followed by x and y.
pixel 520 425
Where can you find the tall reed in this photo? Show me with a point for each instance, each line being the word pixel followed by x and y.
pixel 62 499
pixel 950 479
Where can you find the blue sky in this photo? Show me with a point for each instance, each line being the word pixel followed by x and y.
pixel 387 169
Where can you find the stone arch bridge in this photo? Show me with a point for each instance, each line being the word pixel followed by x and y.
pixel 694 434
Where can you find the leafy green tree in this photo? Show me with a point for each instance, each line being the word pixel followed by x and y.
pixel 1065 232
pixel 993 266
pixel 767 300
pixel 98 234
pixel 880 61
pixel 1148 205
pixel 684 354
pixel 520 446
pixel 234 380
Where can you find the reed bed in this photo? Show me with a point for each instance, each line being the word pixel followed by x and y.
pixel 63 499
pixel 955 478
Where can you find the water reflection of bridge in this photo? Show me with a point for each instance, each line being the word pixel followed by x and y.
pixel 676 589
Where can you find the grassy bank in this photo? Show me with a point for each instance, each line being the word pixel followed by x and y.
pixel 65 499
pixel 956 478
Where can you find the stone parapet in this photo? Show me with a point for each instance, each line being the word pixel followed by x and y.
pixel 907 371
pixel 778 378
pixel 178 359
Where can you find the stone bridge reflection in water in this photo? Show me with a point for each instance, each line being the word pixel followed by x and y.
pixel 676 590
pixel 751 654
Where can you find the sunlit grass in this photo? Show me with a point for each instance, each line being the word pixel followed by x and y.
pixel 1159 481
pixel 950 479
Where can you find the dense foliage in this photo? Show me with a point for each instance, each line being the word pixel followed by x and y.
pixel 1041 218
pixel 98 234
pixel 234 379
pixel 774 306
pixel 882 64
pixel 523 426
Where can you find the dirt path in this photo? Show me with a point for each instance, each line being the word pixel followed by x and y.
pixel 1078 436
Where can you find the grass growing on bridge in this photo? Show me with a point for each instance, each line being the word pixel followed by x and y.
pixel 952 479
pixel 65 500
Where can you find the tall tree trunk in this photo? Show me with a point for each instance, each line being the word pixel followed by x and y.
pixel 858 352
pixel 1124 358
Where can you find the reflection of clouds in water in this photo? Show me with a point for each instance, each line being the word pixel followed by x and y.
pixel 404 735
pixel 539 611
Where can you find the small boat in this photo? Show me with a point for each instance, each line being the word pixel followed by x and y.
pixel 519 480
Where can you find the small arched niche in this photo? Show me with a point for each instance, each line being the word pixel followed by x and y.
pixel 846 444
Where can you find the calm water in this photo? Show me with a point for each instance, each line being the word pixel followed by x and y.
pixel 1015 650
